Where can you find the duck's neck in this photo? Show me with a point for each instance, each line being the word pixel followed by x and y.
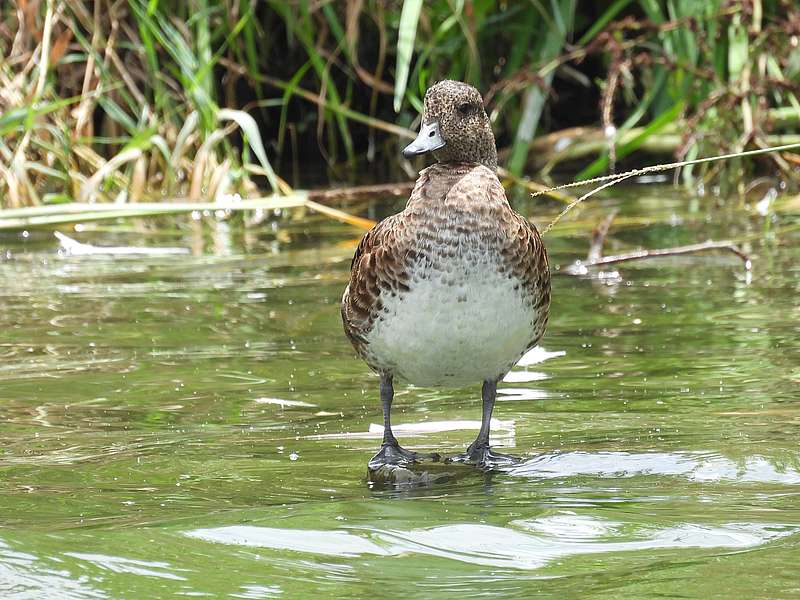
pixel 486 154
pixel 431 194
pixel 490 158
pixel 478 150
pixel 487 161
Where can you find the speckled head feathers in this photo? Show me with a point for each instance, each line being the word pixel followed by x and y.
pixel 463 123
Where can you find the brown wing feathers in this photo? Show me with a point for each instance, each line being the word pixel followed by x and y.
pixel 378 265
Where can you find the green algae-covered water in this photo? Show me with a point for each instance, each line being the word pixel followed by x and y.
pixel 196 424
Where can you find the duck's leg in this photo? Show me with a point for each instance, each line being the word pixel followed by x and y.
pixel 391 453
pixel 479 452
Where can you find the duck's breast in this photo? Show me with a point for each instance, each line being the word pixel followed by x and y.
pixel 476 291
pixel 464 319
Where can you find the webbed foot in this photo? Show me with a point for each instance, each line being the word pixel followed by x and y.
pixel 394 454
pixel 485 458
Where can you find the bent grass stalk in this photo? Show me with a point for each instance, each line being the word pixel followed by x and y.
pixel 46 216
pixel 611 180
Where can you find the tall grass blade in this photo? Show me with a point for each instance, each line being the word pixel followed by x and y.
pixel 554 39
pixel 250 129
pixel 89 189
pixel 604 19
pixel 406 35
pixel 655 126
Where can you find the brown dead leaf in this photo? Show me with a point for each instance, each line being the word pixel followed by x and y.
pixel 60 46
pixel 791 157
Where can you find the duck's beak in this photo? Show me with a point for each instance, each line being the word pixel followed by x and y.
pixel 428 140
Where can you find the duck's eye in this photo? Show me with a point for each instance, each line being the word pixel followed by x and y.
pixel 465 108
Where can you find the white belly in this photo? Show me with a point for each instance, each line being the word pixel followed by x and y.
pixel 455 327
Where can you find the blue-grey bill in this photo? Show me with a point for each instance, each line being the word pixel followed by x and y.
pixel 428 140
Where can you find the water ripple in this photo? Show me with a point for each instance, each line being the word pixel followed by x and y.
pixel 23 575
pixel 696 466
pixel 523 545
pixel 119 564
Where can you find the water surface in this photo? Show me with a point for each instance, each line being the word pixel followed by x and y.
pixel 196 424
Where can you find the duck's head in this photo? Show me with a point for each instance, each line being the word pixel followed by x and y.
pixel 455 126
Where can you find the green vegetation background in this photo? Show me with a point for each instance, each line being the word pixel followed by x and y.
pixel 156 99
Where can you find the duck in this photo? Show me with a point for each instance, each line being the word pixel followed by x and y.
pixel 454 289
